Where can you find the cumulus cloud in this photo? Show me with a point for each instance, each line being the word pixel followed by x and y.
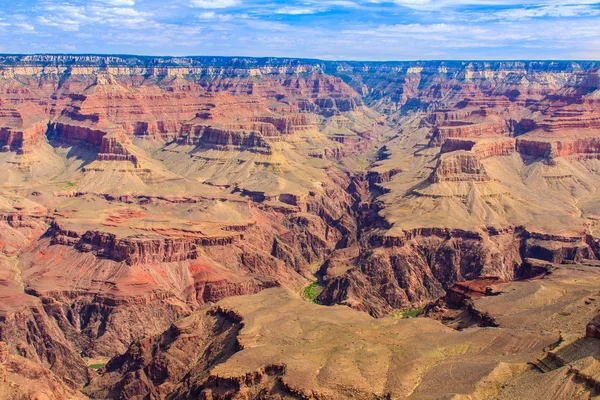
pixel 25 26
pixel 214 3
pixel 567 11
pixel 441 4
pixel 121 3
pixel 69 17
pixel 211 15
pixel 296 10
pixel 337 29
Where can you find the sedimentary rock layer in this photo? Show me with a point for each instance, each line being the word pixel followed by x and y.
pixel 137 190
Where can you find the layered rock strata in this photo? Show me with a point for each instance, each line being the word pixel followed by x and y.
pixel 137 190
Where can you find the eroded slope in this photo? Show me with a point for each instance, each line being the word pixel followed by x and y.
pixel 275 344
pixel 136 190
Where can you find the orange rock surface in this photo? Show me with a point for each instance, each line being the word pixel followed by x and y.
pixel 136 190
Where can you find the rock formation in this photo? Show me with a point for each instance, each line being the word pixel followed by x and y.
pixel 137 190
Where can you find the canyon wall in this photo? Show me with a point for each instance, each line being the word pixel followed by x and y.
pixel 139 189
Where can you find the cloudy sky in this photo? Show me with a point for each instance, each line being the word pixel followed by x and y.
pixel 326 29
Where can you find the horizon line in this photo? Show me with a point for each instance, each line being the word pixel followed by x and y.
pixel 297 58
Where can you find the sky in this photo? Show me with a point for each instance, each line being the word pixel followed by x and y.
pixel 324 29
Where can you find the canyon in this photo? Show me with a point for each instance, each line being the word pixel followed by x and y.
pixel 161 217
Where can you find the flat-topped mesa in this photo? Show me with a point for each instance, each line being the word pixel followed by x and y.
pixel 407 235
pixel 111 144
pixel 113 149
pixel 21 140
pixel 483 148
pixel 460 129
pixel 288 124
pixel 266 129
pixel 295 88
pixel 298 201
pixel 569 120
pixel 551 148
pixel 138 250
pixel 153 129
pixel 489 102
pixel 148 250
pixel 135 250
pixel 65 133
pixel 459 166
pixel 558 251
pixel 334 106
pixel 442 115
pixel 224 138
pixel 478 116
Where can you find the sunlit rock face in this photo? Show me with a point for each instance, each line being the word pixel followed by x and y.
pixel 135 191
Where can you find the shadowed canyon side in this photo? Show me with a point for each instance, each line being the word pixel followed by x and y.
pixel 137 191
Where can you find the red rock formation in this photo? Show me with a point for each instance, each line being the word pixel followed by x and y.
pixel 288 124
pixel 289 136
pixel 210 136
pixel 459 166
pixel 418 266
pixel 468 130
pixel 482 148
pixel 551 148
pixel 23 379
pixel 113 149
pixel 72 134
pixel 592 330
pixel 22 140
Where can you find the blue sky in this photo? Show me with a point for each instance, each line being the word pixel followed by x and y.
pixel 326 29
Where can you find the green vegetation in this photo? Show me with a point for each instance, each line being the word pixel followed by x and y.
pixel 68 184
pixel 97 366
pixel 363 162
pixel 312 291
pixel 412 313
pixel 408 313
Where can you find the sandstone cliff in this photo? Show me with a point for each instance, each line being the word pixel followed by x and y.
pixel 138 189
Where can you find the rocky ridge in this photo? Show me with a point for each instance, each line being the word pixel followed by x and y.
pixel 140 189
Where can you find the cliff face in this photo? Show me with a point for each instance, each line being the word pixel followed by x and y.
pixel 169 187
pixel 138 189
pixel 274 344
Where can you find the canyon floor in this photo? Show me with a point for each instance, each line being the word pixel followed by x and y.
pixel 238 228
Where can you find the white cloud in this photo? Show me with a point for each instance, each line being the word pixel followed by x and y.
pixel 71 18
pixel 64 24
pixel 296 10
pixel 371 29
pixel 269 26
pixel 548 11
pixel 211 15
pixel 25 26
pixel 410 29
pixel 440 4
pixel 120 3
pixel 214 3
